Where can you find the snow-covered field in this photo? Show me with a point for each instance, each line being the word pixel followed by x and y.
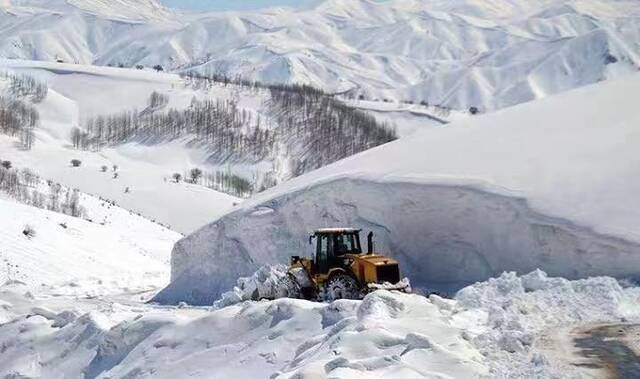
pixel 550 184
pixel 463 54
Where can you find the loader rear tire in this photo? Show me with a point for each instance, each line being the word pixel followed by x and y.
pixel 342 286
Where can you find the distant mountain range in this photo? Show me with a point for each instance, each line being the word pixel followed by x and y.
pixel 456 54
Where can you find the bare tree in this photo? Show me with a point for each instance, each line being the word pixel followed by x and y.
pixel 195 174
pixel 18 119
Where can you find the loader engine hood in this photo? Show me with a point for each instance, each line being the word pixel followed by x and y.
pixel 375 268
pixel 376 260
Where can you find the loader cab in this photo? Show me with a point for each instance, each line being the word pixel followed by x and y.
pixel 331 244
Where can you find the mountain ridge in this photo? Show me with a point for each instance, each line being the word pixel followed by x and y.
pixel 455 55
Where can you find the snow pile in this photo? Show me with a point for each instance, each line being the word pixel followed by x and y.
pixel 385 335
pixel 266 283
pixel 508 191
pixel 269 283
pixel 519 308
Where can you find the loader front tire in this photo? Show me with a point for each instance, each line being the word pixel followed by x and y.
pixel 341 286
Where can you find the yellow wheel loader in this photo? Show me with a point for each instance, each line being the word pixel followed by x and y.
pixel 340 269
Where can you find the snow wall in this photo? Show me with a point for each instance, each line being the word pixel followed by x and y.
pixel 444 236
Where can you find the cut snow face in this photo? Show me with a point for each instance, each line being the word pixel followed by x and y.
pixel 506 191
pixel 461 55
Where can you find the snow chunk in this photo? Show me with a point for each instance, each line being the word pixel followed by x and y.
pixel 266 283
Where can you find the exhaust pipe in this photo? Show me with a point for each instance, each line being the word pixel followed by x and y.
pixel 370 243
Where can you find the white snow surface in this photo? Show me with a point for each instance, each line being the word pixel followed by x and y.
pixel 116 251
pixel 489 330
pixel 385 335
pixel 455 54
pixel 550 184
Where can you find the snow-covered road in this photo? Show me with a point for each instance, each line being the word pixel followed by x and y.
pixel 594 350
pixel 609 350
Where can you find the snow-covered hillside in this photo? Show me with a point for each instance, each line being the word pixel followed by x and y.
pixel 550 184
pixel 463 54
pixel 116 10
pixel 115 251
pixel 247 137
pixel 79 92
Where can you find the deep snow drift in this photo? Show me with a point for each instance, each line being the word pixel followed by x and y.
pixel 551 184
pixel 456 54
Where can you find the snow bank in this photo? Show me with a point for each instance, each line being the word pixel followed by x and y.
pixel 490 330
pixel 508 191
pixel 444 237
pixel 266 283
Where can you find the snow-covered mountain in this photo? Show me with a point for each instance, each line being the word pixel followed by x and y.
pixel 550 184
pixel 117 10
pixel 458 54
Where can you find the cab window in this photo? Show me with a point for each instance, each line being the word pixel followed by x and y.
pixel 346 244
pixel 322 254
